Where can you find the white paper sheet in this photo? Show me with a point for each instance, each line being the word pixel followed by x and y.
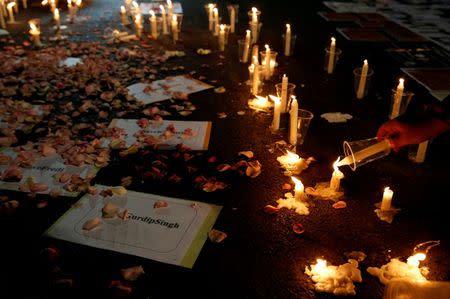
pixel 164 89
pixel 174 234
pixel 199 141
pixel 146 6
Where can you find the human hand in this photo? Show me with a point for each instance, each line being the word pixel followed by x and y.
pixel 401 134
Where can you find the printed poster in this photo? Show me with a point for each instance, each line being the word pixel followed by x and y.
pixel 197 139
pixel 165 89
pixel 174 234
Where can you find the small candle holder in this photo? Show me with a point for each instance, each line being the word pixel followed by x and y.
pixel 290 92
pixel 251 77
pixel 399 106
pixel 272 62
pixel 360 152
pixel 291 44
pixel 242 51
pixel 327 66
pixel 303 120
pixel 357 79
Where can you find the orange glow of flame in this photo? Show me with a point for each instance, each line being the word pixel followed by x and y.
pixel 298 184
pixel 416 259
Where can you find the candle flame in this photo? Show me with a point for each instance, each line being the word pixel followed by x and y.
pixel 122 8
pixel 333 41
pixel 152 13
pixel 78 3
pixel 267 48
pixel 135 4
pixel 44 2
pixel 336 164
pixel 254 10
pixel 222 27
pixel 69 3
pixel 137 19
pixel 321 265
pixel 211 6
pixel 56 14
pixel 251 68
pixel 288 27
pixel 416 259
pixel 262 100
pixel 401 82
pixel 298 184
pixel 247 32
pixel 387 189
pixel 365 62
pixel 10 5
pixel 174 18
pixel 169 3
pixel 275 99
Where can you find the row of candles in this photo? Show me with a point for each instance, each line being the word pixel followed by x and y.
pixel 167 22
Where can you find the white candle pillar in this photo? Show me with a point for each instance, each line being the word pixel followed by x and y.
pixel 387 199
pixel 25 4
pixel 35 34
pixel 362 80
pixel 174 28
pixel 164 20
pixel 210 16
pixel 267 63
pixel 299 189
pixel 216 21
pixel 336 177
pixel 293 122
pixel 10 6
pixel 2 17
pixel 421 152
pixel 57 19
pixel 255 84
pixel 246 47
pixel 222 38
pixel 138 25
pixel 254 25
pixel 397 99
pixel 153 25
pixel 123 15
pixel 169 10
pixel 232 19
pixel 331 56
pixel 284 92
pixel 287 41
pixel 276 112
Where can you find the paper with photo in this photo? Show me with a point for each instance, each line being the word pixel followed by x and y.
pixel 43 171
pixel 174 234
pixel 165 89
pixel 197 139
pixel 147 6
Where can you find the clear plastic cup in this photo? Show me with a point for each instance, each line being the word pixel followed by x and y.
pixel 418 152
pixel 289 93
pixel 243 51
pixel 330 65
pixel 291 44
pixel 399 105
pixel 360 152
pixel 361 89
pixel 272 63
pixel 303 120
pixel 256 89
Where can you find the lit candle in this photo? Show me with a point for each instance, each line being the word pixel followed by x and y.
pixel 70 8
pixel 52 5
pixel 284 90
pixel 57 19
pixel 415 259
pixel 123 14
pixel 25 4
pixel 293 121
pixel 138 25
pixel 35 34
pixel 255 54
pixel 222 38
pixel 336 177
pixel 362 80
pixel 216 21
pixel 10 6
pixel 291 161
pixel 421 152
pixel 2 17
pixel 246 47
pixel 287 42
pixel 232 19
pixel 169 10
pixel 276 112
pixel 154 28
pixel 254 25
pixel 255 85
pixel 267 63
pixel 210 16
pixel 164 20
pixel 397 99
pixel 75 8
pixel 299 189
pixel 259 103
pixel 387 199
pixel 331 56
pixel 174 28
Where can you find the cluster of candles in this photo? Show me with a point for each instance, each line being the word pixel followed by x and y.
pixel 219 29
pixel 8 9
pixel 166 23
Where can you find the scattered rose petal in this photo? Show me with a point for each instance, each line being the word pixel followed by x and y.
pixel 92 223
pixel 132 273
pixel 109 210
pixel 248 154
pixel 286 186
pixel 184 113
pixel 298 228
pixel 223 167
pixel 340 205
pixel 216 236
pixel 202 51
pixel 41 204
pixel 241 112
pixel 123 214
pixel 221 115
pixel 160 204
pixel 120 289
pixel 269 209
pixel 253 169
pixel 220 89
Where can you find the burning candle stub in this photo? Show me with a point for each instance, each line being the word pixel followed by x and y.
pixel 297 201
pixel 328 190
pixel 276 113
pixel 35 34
pixel 10 6
pixel 397 269
pixel 385 211
pixel 293 163
pixel 260 104
pixel 337 280
pixel 336 177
